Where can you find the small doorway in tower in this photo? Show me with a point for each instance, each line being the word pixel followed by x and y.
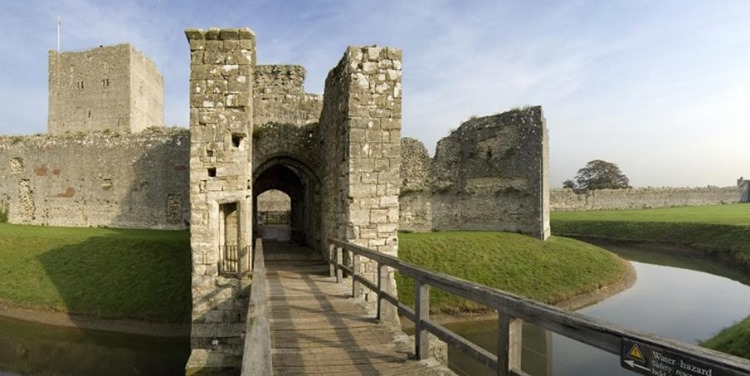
pixel 229 238
pixel 274 215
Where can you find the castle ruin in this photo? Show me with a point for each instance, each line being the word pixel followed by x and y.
pixel 338 157
pixel 113 88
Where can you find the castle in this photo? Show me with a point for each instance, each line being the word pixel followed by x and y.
pixel 107 159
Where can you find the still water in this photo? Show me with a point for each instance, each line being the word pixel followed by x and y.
pixel 35 349
pixel 683 301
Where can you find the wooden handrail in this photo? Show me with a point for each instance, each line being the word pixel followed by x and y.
pixel 256 357
pixel 512 311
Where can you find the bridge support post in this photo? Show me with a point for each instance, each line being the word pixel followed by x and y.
pixel 355 282
pixel 422 312
pixel 382 281
pixel 509 344
pixel 331 260
pixel 339 262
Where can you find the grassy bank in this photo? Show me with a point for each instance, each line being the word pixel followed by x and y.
pixel 551 271
pixel 721 230
pixel 138 274
pixel 733 214
pixel 733 340
pixel 145 274
pixel 718 230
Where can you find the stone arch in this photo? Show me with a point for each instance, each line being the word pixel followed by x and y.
pixel 300 182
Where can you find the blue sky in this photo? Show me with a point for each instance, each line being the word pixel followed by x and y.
pixel 662 88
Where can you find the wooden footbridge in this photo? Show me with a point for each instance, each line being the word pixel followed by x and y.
pixel 316 328
pixel 303 321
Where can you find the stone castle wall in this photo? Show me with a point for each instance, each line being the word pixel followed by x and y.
pixel 147 94
pixel 333 171
pixel 279 96
pixel 361 179
pixel 113 88
pixel 221 88
pixel 97 179
pixel 415 201
pixel 489 174
pixel 640 198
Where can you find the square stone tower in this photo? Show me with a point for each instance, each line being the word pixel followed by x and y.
pixel 221 125
pixel 112 88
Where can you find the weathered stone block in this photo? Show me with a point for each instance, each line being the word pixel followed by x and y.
pixel 229 34
pixel 379 216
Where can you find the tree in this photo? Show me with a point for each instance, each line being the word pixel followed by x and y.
pixel 569 184
pixel 599 174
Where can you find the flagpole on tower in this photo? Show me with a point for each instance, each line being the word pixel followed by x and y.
pixel 59 22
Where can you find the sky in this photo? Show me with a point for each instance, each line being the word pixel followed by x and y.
pixel 661 88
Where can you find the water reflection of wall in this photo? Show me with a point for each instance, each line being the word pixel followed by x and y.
pixel 536 357
pixel 34 349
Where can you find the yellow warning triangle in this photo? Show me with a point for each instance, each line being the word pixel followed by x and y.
pixel 635 353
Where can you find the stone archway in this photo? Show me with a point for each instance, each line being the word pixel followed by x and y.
pixel 302 185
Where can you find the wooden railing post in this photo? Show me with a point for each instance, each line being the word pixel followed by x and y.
pixel 422 312
pixel 509 344
pixel 382 281
pixel 355 281
pixel 339 262
pixel 332 260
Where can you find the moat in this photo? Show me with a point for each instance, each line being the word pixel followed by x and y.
pixel 684 296
pixel 670 298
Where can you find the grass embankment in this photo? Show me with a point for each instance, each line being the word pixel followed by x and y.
pixel 552 271
pixel 732 340
pixel 733 214
pixel 722 230
pixel 109 273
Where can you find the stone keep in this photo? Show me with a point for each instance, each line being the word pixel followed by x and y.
pixel 221 87
pixel 113 88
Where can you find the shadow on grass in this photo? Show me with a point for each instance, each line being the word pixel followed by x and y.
pixel 124 274
pixel 133 275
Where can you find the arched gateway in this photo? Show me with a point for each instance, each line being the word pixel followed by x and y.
pixel 254 129
pixel 302 186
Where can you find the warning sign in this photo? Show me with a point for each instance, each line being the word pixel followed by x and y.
pixel 657 361
pixel 636 354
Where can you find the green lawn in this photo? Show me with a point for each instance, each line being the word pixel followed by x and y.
pixel 550 271
pixel 732 214
pixel 112 273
